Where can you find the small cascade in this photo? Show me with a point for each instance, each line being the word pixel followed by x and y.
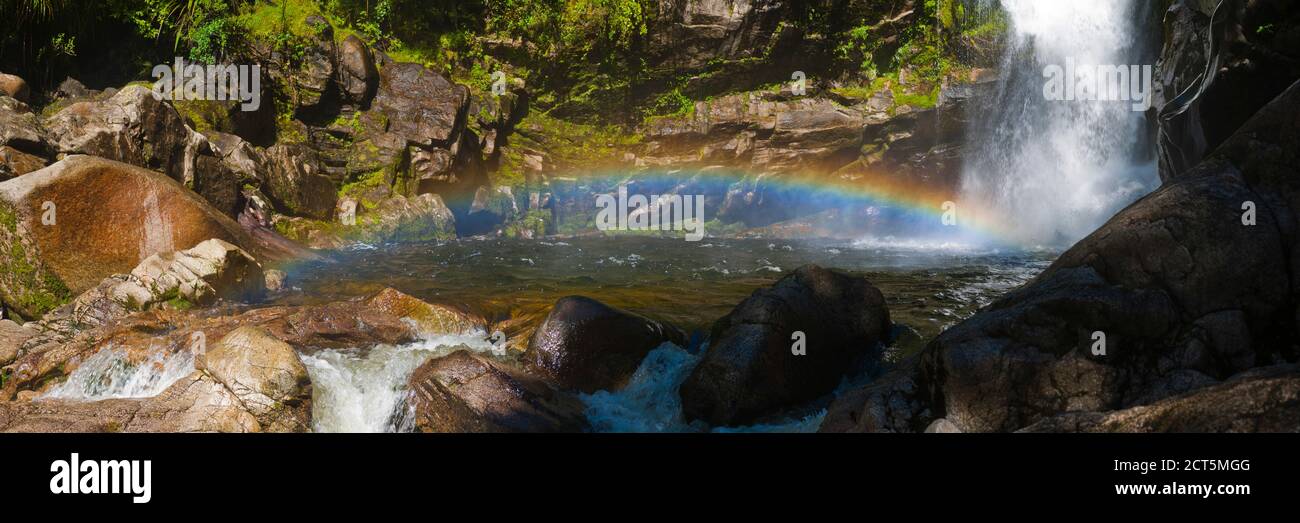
pixel 114 373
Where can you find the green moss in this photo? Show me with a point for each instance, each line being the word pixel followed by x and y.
pixel 31 286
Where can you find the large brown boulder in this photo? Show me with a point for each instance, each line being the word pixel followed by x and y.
pixel 104 217
pixel 463 392
pixel 751 368
pixel 586 345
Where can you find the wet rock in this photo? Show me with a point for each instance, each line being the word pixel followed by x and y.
pixel 588 346
pixel 266 375
pixel 464 392
pixel 295 184
pixel 340 325
pixel 429 318
pixel 750 368
pixel 358 76
pixel 1262 400
pixel 134 126
pixel 14 87
pixel 66 227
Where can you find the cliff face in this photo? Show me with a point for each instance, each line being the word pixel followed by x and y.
pixel 1192 286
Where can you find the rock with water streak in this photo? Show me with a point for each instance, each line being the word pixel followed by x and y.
pixel 66 227
pixel 588 346
pixel 751 368
pixel 464 392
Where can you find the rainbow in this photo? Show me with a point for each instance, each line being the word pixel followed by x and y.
pixel 908 202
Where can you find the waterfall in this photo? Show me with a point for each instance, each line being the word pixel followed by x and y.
pixel 1054 170
pixel 366 391
pixel 115 373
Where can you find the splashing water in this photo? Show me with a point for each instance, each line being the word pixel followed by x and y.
pixel 111 374
pixel 367 392
pixel 1055 170
pixel 650 401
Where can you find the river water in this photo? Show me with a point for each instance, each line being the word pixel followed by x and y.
pixel 928 288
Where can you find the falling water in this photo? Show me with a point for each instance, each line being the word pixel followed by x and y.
pixel 114 373
pixel 366 392
pixel 1054 170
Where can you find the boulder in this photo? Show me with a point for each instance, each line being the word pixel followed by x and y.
pixel 491 208
pixel 1261 400
pixel 19 128
pixel 358 76
pixel 750 368
pixel 12 336
pixel 134 126
pixel 15 163
pixel 400 219
pixel 464 392
pixel 14 87
pixel 429 319
pixel 66 227
pixel 340 325
pixel 586 345
pixel 295 183
pixel 420 105
pixel 200 275
pixel 265 374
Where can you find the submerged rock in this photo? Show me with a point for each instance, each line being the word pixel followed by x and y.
pixel 588 346
pixel 464 392
pixel 429 318
pixel 751 368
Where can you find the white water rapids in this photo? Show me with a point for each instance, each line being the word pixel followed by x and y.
pixel 1052 171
